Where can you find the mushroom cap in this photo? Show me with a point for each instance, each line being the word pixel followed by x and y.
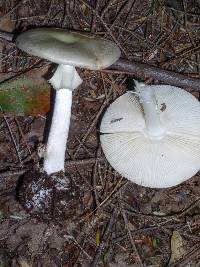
pixel 153 163
pixel 70 48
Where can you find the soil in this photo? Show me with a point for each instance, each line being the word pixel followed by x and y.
pixel 111 222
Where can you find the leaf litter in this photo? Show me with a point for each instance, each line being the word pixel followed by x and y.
pixel 152 227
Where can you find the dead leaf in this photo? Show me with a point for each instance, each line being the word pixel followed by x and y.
pixel 23 263
pixel 177 247
pixel 27 95
pixel 85 9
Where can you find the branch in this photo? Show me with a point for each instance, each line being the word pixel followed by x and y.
pixel 141 70
pixel 7 36
pixel 144 71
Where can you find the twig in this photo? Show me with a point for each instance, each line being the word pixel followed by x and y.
pixel 130 236
pixel 145 71
pixel 116 188
pixel 93 22
pixel 119 13
pixel 105 26
pixel 22 73
pixel 163 39
pixel 145 41
pixel 80 247
pixel 6 36
pixel 22 135
pixel 130 12
pixel 181 55
pixel 92 124
pixel 13 140
pixel 105 238
pixel 183 12
pixel 96 118
pixel 178 214
pixel 104 86
pixel 106 7
pixel 94 178
pixel 15 8
pixel 11 173
pixel 84 147
pixel 71 6
pixel 146 230
pixel 71 163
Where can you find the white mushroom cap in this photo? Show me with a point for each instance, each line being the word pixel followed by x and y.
pixel 69 48
pixel 153 163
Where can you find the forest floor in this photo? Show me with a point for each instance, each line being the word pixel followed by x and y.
pixel 116 223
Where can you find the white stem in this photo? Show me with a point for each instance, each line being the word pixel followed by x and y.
pixel 154 127
pixel 65 80
pixel 57 139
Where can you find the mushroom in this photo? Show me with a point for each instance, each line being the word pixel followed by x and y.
pixel 68 50
pixel 152 136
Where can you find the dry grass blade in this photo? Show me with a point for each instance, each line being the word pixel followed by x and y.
pixel 105 238
pixel 13 140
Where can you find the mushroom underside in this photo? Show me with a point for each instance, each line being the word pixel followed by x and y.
pixel 153 163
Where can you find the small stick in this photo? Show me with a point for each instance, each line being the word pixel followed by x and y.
pixel 7 174
pixel 105 239
pixel 145 71
pixel 139 260
pixel 22 135
pixel 105 201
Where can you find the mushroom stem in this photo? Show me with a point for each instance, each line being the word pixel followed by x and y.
pixel 154 127
pixel 64 80
pixel 57 139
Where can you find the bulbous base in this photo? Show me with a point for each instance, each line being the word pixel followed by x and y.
pixel 48 197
